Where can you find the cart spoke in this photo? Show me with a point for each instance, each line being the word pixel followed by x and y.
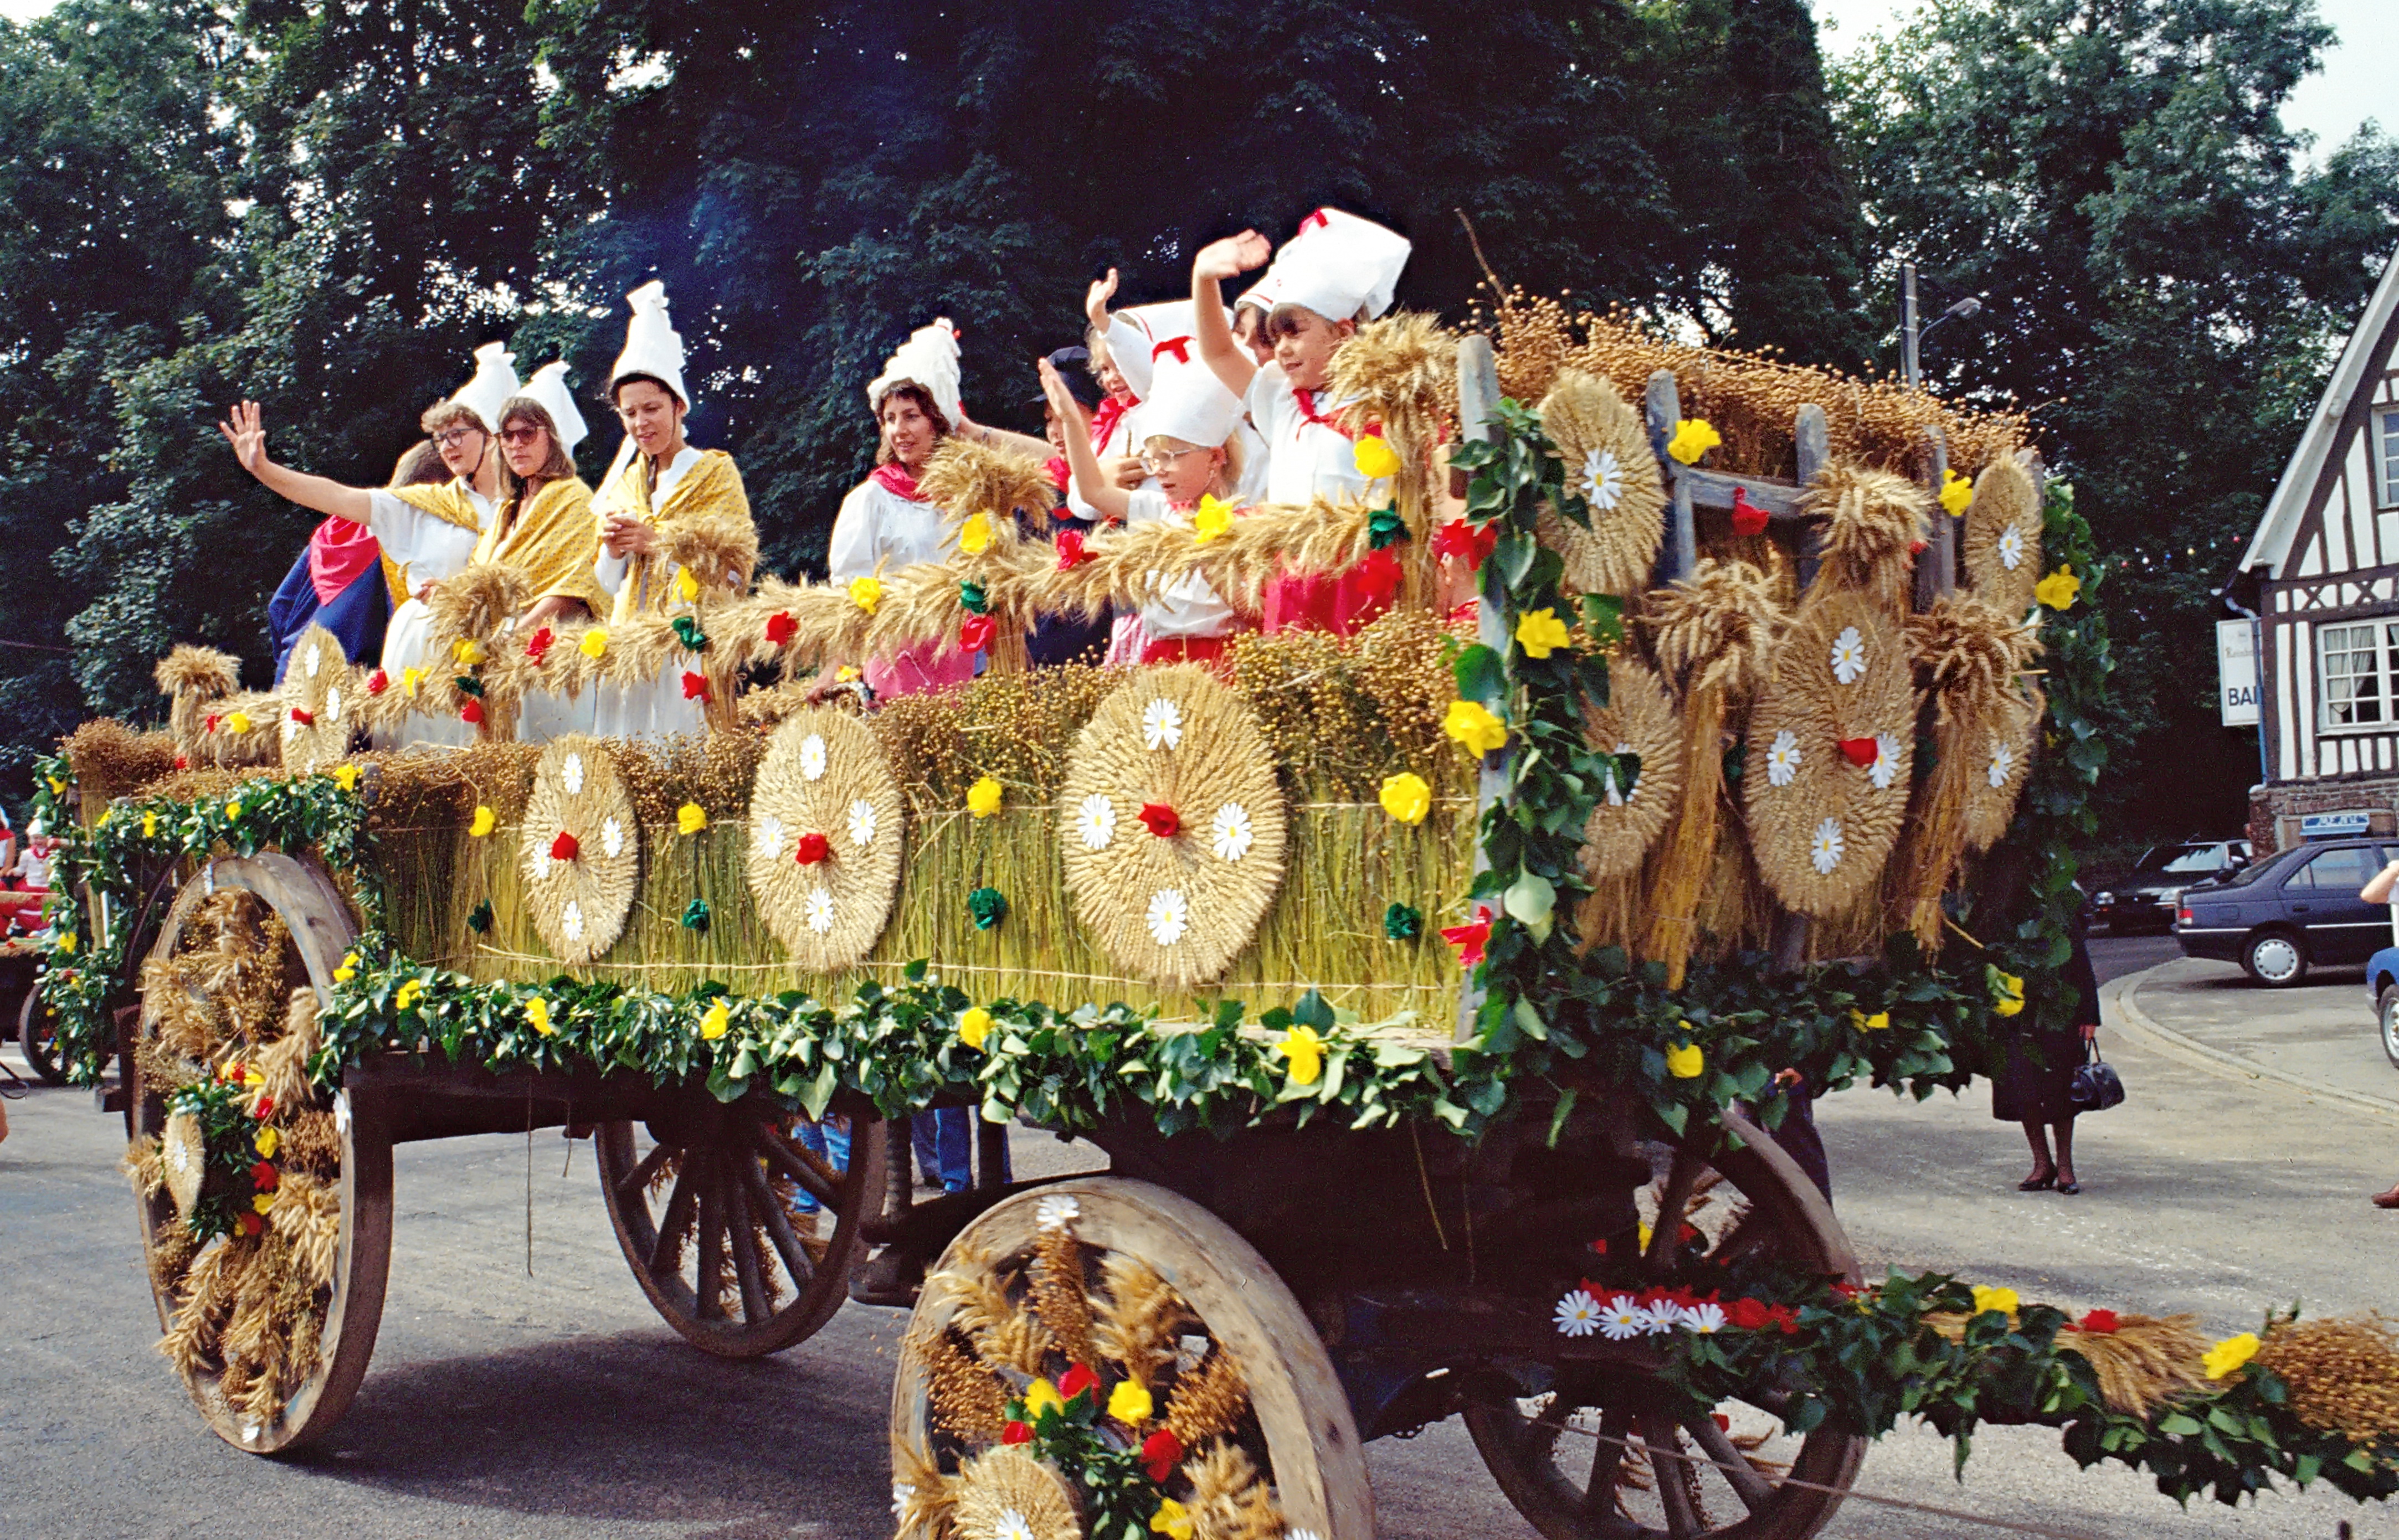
pixel 815 1177
pixel 1754 1490
pixel 639 1178
pixel 682 1203
pixel 1673 1472
pixel 1606 1461
pixel 1665 1240
pixel 797 1264
pixel 744 1239
pixel 711 1286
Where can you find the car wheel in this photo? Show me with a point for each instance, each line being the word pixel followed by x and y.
pixel 2386 1019
pixel 2275 959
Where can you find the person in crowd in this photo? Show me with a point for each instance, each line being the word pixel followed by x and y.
pixel 1192 451
pixel 2036 1074
pixel 2382 888
pixel 429 529
pixel 1119 363
pixel 1338 271
pixel 1058 638
pixel 659 483
pixel 338 583
pixel 543 526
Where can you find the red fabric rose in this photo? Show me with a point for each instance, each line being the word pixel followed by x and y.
pixel 263 1109
pixel 1470 939
pixel 213 720
pixel 1160 1453
pixel 780 628
pixel 537 645
pixel 377 683
pixel 2099 1322
pixel 1748 1315
pixel 262 1177
pixel 1071 553
pixel 248 1223
pixel 306 719
pixel 1464 541
pixel 1015 1433
pixel 565 848
pixel 182 764
pixel 811 849
pixel 695 686
pixel 1860 751
pixel 471 713
pixel 975 633
pixel 1076 1380
pixel 1747 517
pixel 1160 819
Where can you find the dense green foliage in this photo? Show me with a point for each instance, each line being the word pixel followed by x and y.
pixel 2163 280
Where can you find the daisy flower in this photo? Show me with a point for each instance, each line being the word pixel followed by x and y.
pixel 1603 479
pixel 1705 1320
pixel 541 865
pixel 768 836
pixel 1849 656
pixel 812 757
pixel 861 823
pixel 1169 916
pixel 1622 1318
pixel 2003 765
pixel 818 909
pixel 1161 724
pixel 1096 819
pixel 570 921
pixel 612 838
pixel 333 703
pixel 2011 547
pixel 1229 834
pixel 1825 849
pixel 1012 1527
pixel 1885 768
pixel 570 774
pixel 316 660
pixel 1661 1316
pixel 1056 1212
pixel 1783 759
pixel 1577 1314
pixel 903 1495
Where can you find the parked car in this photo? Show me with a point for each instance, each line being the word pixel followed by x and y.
pixel 2144 899
pixel 2382 988
pixel 2295 910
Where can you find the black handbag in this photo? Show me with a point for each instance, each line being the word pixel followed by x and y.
pixel 2095 1087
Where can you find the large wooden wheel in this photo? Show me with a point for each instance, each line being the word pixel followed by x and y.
pixel 1131 1281
pixel 707 1206
pixel 1605 1454
pixel 305 929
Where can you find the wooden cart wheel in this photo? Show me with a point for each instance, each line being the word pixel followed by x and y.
pixel 707 1206
pixel 1228 1312
pixel 37 1038
pixel 1594 1458
pixel 318 930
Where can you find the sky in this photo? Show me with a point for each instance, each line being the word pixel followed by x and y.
pixel 2355 82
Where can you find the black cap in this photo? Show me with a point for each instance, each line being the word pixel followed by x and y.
pixel 1074 366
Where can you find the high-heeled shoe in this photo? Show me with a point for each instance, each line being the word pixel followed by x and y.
pixel 2068 1188
pixel 2037 1184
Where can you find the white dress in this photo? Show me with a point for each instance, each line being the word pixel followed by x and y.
pixel 653 707
pixel 1186 609
pixel 431 549
pixel 877 532
pixel 1305 459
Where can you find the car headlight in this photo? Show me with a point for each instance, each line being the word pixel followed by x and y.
pixel 2105 898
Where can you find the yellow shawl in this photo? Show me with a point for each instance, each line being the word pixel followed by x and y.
pixel 446 501
pixel 553 541
pixel 712 487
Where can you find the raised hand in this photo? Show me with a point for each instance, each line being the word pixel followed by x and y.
pixel 1053 385
pixel 247 434
pixel 1095 301
pixel 1232 256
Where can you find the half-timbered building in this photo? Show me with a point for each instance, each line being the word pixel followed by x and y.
pixel 2322 575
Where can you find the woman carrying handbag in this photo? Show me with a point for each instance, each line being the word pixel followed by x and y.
pixel 2036 1085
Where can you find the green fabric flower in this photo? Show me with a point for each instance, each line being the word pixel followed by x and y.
pixel 1402 923
pixel 1385 527
pixel 468 684
pixel 695 915
pixel 971 597
pixel 479 920
pixel 686 629
pixel 988 905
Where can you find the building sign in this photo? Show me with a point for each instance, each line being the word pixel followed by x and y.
pixel 2332 825
pixel 2236 668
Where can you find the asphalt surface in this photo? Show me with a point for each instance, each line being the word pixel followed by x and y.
pixel 554 1404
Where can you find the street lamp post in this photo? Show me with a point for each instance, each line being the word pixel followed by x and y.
pixel 1911 335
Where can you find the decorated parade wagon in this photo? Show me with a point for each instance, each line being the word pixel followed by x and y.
pixel 1428 989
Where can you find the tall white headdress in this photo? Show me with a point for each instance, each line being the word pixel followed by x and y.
pixel 548 386
pixel 1185 399
pixel 494 382
pixel 652 344
pixel 929 358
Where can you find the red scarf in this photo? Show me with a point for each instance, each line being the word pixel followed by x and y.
pixel 338 552
pixel 1103 421
pixel 1307 399
pixel 894 479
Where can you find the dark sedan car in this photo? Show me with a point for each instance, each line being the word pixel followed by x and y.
pixel 2295 910
pixel 2144 899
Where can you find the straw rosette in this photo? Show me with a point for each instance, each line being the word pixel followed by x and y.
pixel 581 849
pixel 826 839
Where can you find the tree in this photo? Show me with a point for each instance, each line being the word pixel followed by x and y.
pixel 2163 283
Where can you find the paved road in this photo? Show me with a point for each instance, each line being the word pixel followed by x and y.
pixel 555 1405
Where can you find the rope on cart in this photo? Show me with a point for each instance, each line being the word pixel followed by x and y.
pixel 1847 1493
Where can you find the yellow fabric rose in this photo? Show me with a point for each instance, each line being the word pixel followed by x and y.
pixel 410 680
pixel 262 1203
pixel 232 809
pixel 1375 459
pixel 2230 1354
pixel 716 1022
pixel 594 643
pixel 1476 730
pixel 149 825
pixel 686 587
pixel 538 1012
pixel 1693 436
pixel 974 1026
pixel 866 593
pixel 348 970
pixel 1304 1052
pixel 237 721
pixel 66 942
pixel 847 672
pixel 983 797
pixel 689 819
pixel 2007 993
pixel 485 821
pixel 1955 492
pixel 466 652
pixel 1406 797
pixel 1173 1520
pixel 1541 633
pixel 1876 1022
pixel 2058 590
pixel 346 776
pixel 406 994
pixel 1212 520
pixel 1129 1403
pixel 2001 1300
pixel 1685 1061
pixel 974 535
pixel 268 1143
pixel 1039 1396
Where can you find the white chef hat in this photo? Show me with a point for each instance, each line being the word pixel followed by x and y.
pixel 1134 335
pixel 1265 293
pixel 548 386
pixel 1340 265
pixel 929 358
pixel 1185 399
pixel 494 382
pixel 652 344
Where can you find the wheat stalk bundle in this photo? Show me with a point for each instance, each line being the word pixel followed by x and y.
pixel 1971 658
pixel 1873 521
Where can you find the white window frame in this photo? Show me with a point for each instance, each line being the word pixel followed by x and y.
pixel 2384 703
pixel 2383 455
